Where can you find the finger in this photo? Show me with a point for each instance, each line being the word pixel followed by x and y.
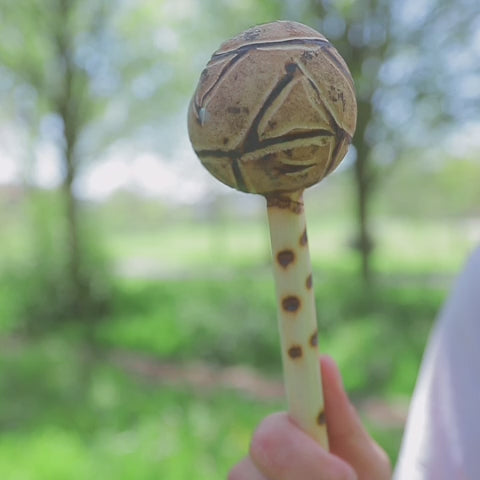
pixel 246 470
pixel 282 451
pixel 343 422
pixel 346 434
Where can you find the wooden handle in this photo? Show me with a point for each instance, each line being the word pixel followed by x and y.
pixel 296 315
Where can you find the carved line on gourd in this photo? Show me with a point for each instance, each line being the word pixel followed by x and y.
pixel 200 103
pixel 240 52
pixel 335 59
pixel 340 134
pixel 341 137
pixel 346 75
pixel 272 45
pixel 287 138
pixel 251 142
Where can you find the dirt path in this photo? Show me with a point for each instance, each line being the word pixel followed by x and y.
pixel 245 380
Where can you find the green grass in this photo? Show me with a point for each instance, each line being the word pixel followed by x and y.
pixel 121 427
pixel 376 336
pixel 55 425
pixel 209 296
pixel 410 246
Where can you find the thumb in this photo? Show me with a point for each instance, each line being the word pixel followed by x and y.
pixel 347 437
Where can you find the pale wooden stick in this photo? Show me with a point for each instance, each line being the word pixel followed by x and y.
pixel 296 315
pixel 273 113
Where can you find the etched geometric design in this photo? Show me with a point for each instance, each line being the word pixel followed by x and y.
pixel 291 74
pixel 267 128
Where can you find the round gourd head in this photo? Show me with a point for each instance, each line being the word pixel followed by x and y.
pixel 274 110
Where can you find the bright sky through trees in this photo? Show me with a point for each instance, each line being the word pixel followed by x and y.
pixel 177 175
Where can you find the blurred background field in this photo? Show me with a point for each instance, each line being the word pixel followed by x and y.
pixel 138 333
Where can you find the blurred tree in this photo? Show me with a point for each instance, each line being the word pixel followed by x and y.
pixel 361 31
pixel 56 96
pixel 405 59
pixel 81 77
pixel 87 79
pixel 97 78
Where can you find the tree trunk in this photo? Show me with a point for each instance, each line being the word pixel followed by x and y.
pixel 363 185
pixel 73 244
pixel 363 241
pixel 67 105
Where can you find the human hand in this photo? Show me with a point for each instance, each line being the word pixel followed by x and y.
pixel 281 451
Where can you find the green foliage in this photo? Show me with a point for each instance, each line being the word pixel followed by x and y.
pixel 447 187
pixel 226 321
pixel 216 306
pixel 41 293
pixel 122 428
pixel 232 320
pixel 81 75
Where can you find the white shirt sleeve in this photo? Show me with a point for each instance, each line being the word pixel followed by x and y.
pixel 442 435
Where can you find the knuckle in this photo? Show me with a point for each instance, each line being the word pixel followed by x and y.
pixel 339 469
pixel 265 438
pixel 345 473
pixel 269 443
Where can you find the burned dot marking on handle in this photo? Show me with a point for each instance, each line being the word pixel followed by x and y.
pixel 291 303
pixel 304 238
pixel 284 203
pixel 295 352
pixel 314 339
pixel 309 282
pixel 321 418
pixel 285 258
